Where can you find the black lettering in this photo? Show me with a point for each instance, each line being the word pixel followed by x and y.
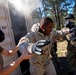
pixel 3 27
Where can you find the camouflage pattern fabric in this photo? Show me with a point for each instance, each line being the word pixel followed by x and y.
pixel 71 56
pixel 37 62
pixel 1 59
pixel 1 49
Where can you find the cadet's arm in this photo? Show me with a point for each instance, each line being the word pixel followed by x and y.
pixel 8 69
pixel 10 52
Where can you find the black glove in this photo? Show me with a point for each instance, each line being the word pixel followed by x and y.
pixel 37 47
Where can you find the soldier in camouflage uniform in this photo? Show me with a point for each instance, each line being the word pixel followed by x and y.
pixel 41 64
pixel 71 48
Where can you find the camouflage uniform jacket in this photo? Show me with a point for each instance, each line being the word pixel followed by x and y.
pixel 33 37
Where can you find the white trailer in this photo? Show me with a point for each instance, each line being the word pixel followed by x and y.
pixel 9 42
pixel 14 27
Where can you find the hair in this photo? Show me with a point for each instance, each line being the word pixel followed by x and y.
pixel 2 36
pixel 45 21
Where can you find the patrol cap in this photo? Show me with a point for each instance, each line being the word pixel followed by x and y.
pixel 70 16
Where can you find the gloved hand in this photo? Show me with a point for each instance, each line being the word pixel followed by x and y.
pixel 23 46
pixel 37 47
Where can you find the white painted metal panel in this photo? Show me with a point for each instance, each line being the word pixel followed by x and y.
pixel 6 27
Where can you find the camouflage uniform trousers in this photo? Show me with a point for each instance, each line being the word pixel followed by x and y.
pixel 43 70
pixel 71 58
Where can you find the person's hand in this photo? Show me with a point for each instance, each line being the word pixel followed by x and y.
pixel 66 30
pixel 37 47
pixel 25 55
pixel 23 46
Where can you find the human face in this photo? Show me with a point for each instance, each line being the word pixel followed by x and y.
pixel 48 28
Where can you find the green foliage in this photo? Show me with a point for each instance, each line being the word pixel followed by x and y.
pixel 57 10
